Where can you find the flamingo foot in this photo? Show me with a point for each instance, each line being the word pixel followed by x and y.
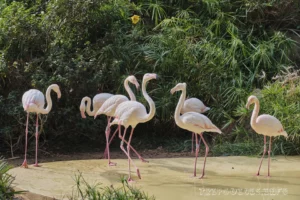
pixel 112 164
pixel 258 174
pixel 138 173
pixel 37 165
pixel 143 160
pixel 24 164
pixel 201 177
pixel 129 180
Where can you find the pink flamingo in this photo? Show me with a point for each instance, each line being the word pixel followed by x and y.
pixel 194 105
pixel 33 101
pixel 131 113
pixel 109 107
pixel 98 100
pixel 194 122
pixel 266 125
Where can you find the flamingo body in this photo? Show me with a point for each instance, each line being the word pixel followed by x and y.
pixel 33 100
pixel 109 107
pixel 268 125
pixel 194 105
pixel 197 123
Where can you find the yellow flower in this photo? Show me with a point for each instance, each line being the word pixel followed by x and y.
pixel 135 19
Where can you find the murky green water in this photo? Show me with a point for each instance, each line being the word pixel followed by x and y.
pixel 170 178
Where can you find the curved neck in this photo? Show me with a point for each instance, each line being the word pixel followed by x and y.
pixel 255 113
pixel 88 106
pixel 49 101
pixel 129 91
pixel 151 113
pixel 179 106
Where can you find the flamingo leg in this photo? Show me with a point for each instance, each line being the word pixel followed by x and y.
pixel 196 155
pixel 36 141
pixel 269 154
pixel 107 129
pixel 129 158
pixel 139 156
pixel 24 164
pixel 206 152
pixel 107 133
pixel 193 135
pixel 262 158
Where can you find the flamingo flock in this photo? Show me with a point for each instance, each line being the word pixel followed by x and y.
pixel 127 112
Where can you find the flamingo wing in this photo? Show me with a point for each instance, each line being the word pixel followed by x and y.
pixel 99 99
pixel 110 105
pixel 198 121
pixel 268 125
pixel 33 96
pixel 193 105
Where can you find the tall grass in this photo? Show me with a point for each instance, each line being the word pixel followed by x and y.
pixel 83 190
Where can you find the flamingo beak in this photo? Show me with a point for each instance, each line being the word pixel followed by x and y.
pixel 82 114
pixel 137 85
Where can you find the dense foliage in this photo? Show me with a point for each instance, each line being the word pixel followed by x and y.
pixel 223 49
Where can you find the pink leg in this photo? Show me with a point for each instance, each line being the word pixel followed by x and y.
pixel 139 156
pixel 196 154
pixel 107 133
pixel 26 136
pixel 206 152
pixel 269 154
pixel 193 135
pixel 262 158
pixel 107 129
pixel 36 141
pixel 129 158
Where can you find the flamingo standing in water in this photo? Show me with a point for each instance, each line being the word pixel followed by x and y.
pixel 109 107
pixel 194 105
pixel 194 122
pixel 266 125
pixel 131 113
pixel 33 101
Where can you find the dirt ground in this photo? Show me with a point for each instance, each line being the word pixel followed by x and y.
pixel 53 157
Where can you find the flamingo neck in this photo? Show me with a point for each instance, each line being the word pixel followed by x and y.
pixel 88 106
pixel 49 101
pixel 179 106
pixel 255 113
pixel 151 113
pixel 129 91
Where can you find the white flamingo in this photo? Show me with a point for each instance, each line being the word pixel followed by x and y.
pixel 194 105
pixel 131 113
pixel 98 100
pixel 194 122
pixel 109 107
pixel 33 101
pixel 266 125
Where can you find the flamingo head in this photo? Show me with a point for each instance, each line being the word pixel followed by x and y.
pixel 252 99
pixel 56 89
pixel 133 80
pixel 149 76
pixel 178 87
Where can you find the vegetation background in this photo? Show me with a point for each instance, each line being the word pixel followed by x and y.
pixel 224 50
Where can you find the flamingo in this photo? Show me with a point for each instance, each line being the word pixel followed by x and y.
pixel 131 113
pixel 98 100
pixel 33 101
pixel 109 107
pixel 194 105
pixel 194 122
pixel 266 125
